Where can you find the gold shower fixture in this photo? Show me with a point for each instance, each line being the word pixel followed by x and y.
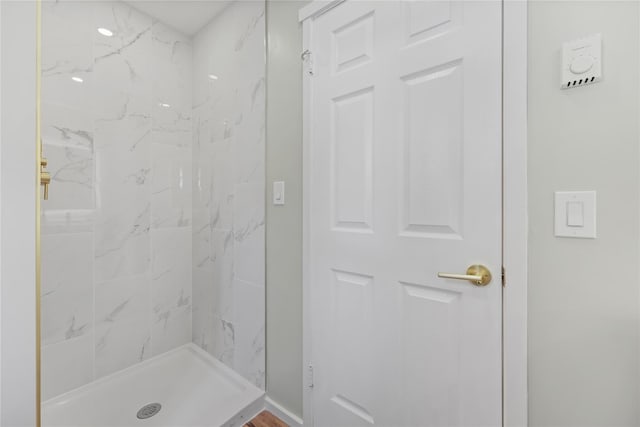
pixel 45 177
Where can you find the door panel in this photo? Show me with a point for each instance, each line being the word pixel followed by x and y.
pixel 433 389
pixel 428 19
pixel 405 181
pixel 352 43
pixel 352 336
pixel 432 153
pixel 351 146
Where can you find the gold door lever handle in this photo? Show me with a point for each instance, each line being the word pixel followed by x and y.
pixel 477 274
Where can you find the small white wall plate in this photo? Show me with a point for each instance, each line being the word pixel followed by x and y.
pixel 278 192
pixel 582 62
pixel 575 214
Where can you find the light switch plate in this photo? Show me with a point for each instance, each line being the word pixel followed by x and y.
pixel 575 214
pixel 278 192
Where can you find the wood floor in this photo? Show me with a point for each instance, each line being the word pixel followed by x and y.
pixel 266 419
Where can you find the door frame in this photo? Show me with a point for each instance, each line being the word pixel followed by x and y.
pixel 514 249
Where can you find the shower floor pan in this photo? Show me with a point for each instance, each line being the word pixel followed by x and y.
pixel 193 388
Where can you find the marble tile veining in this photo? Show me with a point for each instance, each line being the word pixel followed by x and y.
pixel 123 330
pixel 224 341
pixel 154 233
pixel 203 302
pixel 67 27
pixel 172 58
pixel 171 186
pixel 202 234
pixel 249 316
pixel 123 242
pixel 117 237
pixel 171 290
pixel 228 189
pixel 248 233
pixel 67 143
pixel 123 198
pixel 123 64
pixel 223 190
pixel 222 275
pixel 67 286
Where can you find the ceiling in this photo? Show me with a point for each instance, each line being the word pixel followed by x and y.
pixel 187 16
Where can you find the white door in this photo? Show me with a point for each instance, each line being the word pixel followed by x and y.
pixel 405 182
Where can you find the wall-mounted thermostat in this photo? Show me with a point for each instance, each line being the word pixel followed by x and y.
pixel 582 62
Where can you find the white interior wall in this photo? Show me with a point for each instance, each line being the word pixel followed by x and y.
pixel 583 293
pixel 0 217
pixel 17 217
pixel 284 223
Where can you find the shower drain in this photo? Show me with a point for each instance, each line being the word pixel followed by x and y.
pixel 148 411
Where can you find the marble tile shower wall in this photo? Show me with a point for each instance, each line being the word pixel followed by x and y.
pixel 117 230
pixel 228 198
